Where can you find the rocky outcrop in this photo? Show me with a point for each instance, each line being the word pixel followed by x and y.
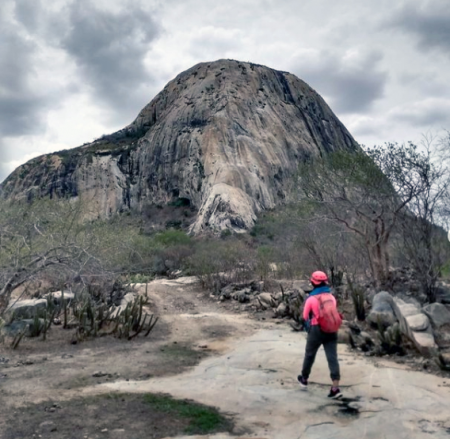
pixel 225 137
pixel 382 312
pixel 25 309
pixel 416 326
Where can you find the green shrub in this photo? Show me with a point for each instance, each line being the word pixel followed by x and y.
pixel 171 238
pixel 202 419
pixel 216 262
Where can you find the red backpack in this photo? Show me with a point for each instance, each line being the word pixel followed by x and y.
pixel 329 318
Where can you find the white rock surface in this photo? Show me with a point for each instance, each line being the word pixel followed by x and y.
pixel 25 309
pixel 418 322
pixel 57 295
pixel 256 382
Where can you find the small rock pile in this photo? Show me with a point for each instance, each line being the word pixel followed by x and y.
pixel 426 327
pixel 286 302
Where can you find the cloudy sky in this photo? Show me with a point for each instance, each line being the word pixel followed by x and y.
pixel 73 70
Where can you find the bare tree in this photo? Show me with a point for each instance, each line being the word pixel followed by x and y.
pixel 40 239
pixel 424 240
pixel 368 192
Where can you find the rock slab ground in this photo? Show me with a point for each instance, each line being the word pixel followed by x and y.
pixel 256 381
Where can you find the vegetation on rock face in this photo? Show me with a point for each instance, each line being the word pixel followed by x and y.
pixel 389 194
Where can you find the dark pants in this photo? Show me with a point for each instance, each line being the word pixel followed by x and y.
pixel 316 338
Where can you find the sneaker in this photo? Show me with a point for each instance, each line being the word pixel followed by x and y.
pixel 335 393
pixel 303 381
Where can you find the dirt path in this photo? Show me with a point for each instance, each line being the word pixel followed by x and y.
pixel 246 368
pixel 191 328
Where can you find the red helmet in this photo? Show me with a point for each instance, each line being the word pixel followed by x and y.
pixel 318 277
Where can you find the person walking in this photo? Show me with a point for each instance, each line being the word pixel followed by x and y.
pixel 322 320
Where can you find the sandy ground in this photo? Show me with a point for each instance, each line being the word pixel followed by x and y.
pixel 246 367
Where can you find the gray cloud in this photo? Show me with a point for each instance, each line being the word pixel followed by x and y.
pixel 351 82
pixel 428 21
pixel 21 104
pixel 50 52
pixel 431 112
pixel 109 48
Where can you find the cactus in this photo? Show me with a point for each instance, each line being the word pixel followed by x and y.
pixel 391 339
pixel 17 339
pixel 35 328
pixel 93 319
pixel 358 298
pixel 132 321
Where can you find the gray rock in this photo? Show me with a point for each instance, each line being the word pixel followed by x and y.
pixel 446 358
pixel 425 343
pixel 225 296
pixel 344 335
pixel 301 285
pixel 266 300
pixel 418 322
pixel 128 298
pixel 242 296
pixel 18 326
pixel 410 317
pixel 382 311
pixel 25 309
pixel 227 291
pixel 57 296
pixel 281 310
pixel 184 139
pixel 438 314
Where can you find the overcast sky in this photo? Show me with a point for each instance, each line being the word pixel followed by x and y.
pixel 73 70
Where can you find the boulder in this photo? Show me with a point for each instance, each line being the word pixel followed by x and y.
pixel 242 296
pixel 382 311
pixel 227 291
pixel 426 344
pixel 344 335
pixel 266 300
pixel 446 358
pixel 438 314
pixel 418 322
pixel 128 298
pixel 301 285
pixel 57 296
pixel 281 310
pixel 18 326
pixel 25 309
pixel 415 326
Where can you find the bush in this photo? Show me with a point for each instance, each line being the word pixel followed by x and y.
pixel 217 262
pixel 170 238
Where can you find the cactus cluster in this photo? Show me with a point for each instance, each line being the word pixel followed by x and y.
pixel 91 316
pixel 132 321
pixel 95 319
pixel 391 340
